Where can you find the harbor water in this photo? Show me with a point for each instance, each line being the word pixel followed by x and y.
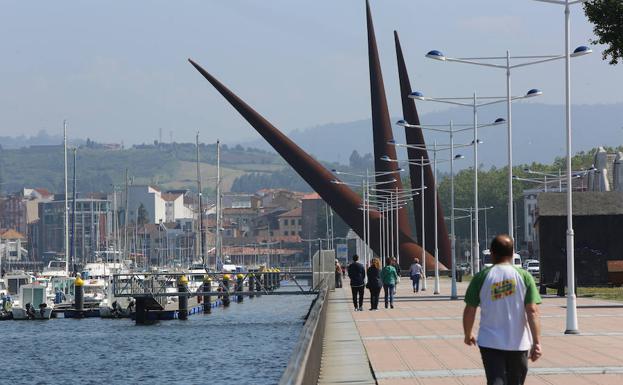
pixel 248 343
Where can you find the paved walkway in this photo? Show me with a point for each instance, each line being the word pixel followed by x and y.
pixel 420 341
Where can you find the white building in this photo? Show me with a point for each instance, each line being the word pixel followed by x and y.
pixel 151 199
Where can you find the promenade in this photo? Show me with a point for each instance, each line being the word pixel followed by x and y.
pixel 420 341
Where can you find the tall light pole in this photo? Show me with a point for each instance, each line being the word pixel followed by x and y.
pixel 474 103
pixel 451 131
pixel 572 316
pixel 508 66
pixel 420 162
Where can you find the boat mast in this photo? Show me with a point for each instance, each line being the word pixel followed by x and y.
pixel 66 198
pixel 199 248
pixel 125 219
pixel 73 217
pixel 218 250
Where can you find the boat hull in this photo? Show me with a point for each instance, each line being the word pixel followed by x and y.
pixel 20 314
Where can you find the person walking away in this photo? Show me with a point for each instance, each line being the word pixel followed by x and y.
pixel 397 267
pixel 338 274
pixel 357 275
pixel 416 272
pixel 389 278
pixel 374 283
pixel 510 330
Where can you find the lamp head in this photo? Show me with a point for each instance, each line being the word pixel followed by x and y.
pixel 459 156
pixel 499 121
pixel 416 95
pixel 581 51
pixel 534 92
pixel 435 54
pixel 402 123
pixel 391 142
pixel 385 158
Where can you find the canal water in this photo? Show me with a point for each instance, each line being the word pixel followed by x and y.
pixel 248 343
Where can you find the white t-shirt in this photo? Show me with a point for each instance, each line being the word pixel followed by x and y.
pixel 502 291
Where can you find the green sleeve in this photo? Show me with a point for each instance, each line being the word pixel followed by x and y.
pixel 472 295
pixel 532 293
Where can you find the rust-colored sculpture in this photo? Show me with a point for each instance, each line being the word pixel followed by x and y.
pixel 382 134
pixel 342 199
pixel 414 136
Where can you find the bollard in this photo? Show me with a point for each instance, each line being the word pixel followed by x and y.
pixel 226 278
pixel 272 279
pixel 239 285
pixel 79 296
pixel 141 311
pixel 251 284
pixel 265 278
pixel 207 299
pixel 258 285
pixel 182 300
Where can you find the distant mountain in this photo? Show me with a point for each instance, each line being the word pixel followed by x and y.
pixel 538 133
pixel 41 139
pixel 169 165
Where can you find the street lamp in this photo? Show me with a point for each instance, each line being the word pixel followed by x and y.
pixel 422 163
pixel 365 185
pixel 474 103
pixel 451 131
pixel 525 61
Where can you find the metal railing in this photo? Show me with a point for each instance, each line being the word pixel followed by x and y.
pixel 139 285
pixel 304 365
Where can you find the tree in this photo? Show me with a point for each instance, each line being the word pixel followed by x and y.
pixel 142 215
pixel 607 16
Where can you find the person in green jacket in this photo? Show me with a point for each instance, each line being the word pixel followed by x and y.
pixel 389 276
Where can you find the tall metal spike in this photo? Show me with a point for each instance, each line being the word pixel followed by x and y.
pixel 414 136
pixel 382 134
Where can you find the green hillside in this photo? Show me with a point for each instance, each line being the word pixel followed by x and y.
pixel 170 165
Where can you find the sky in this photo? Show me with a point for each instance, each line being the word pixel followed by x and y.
pixel 117 70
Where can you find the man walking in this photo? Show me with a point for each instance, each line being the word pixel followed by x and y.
pixel 357 275
pixel 509 330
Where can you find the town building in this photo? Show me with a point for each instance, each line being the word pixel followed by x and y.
pixel 597 223
pixel 19 210
pixel 93 227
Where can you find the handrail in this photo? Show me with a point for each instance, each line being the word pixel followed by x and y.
pixel 304 365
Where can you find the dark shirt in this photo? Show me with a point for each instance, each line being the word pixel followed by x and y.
pixel 374 278
pixel 357 274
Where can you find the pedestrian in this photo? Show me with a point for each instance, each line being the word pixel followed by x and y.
pixel 357 275
pixel 389 278
pixel 510 330
pixel 397 267
pixel 416 272
pixel 338 274
pixel 374 283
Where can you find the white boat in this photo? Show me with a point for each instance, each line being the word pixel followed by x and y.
pixel 33 303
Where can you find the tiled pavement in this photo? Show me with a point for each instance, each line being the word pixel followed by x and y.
pixel 420 341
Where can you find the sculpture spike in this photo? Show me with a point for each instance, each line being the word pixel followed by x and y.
pixel 414 136
pixel 382 133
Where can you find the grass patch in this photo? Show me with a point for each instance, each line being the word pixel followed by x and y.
pixel 607 293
